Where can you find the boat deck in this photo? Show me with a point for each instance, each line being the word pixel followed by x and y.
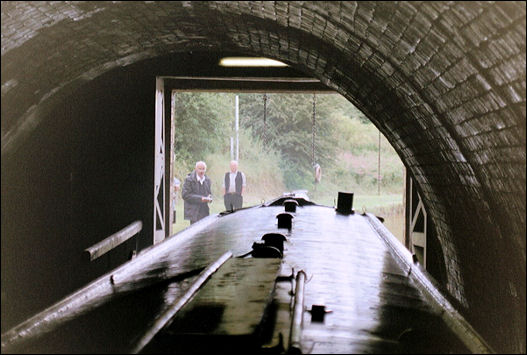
pixel 372 302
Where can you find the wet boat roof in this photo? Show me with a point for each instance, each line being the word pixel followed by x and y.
pixel 373 304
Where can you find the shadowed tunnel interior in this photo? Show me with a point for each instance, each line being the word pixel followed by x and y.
pixel 443 81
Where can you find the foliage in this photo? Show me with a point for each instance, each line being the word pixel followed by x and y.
pixel 289 130
pixel 278 157
pixel 201 122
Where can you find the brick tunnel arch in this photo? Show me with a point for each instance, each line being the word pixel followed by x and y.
pixel 444 82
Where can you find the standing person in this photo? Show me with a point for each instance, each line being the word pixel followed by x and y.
pixel 233 186
pixel 196 193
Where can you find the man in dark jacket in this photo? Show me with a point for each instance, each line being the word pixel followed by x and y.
pixel 233 186
pixel 196 193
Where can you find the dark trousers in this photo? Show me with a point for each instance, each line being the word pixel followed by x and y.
pixel 203 212
pixel 232 201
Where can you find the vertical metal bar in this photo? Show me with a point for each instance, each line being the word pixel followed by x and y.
pixel 232 149
pixel 162 320
pixel 167 125
pixel 407 201
pixel 172 159
pixel 237 127
pixel 298 313
pixel 379 167
pixel 313 130
pixel 425 220
pixel 265 120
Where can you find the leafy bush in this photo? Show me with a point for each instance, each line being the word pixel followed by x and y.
pixel 278 156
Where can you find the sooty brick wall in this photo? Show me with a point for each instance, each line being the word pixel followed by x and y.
pixel 443 81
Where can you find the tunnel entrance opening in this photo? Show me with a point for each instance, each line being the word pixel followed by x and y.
pixel 276 126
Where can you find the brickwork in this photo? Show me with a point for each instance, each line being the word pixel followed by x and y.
pixel 443 81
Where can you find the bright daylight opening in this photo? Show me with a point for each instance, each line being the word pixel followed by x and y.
pixel 278 140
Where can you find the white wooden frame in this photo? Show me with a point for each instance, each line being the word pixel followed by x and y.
pixel 159 164
pixel 417 238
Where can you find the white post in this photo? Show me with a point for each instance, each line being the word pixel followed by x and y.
pixel 232 148
pixel 237 138
pixel 379 167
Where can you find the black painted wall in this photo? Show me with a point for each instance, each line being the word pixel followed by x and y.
pixel 85 173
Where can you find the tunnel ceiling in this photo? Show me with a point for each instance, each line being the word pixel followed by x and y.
pixel 443 81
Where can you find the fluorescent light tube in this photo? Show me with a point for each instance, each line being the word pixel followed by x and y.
pixel 250 62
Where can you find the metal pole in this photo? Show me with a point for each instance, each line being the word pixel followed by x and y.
pixel 232 149
pixel 173 194
pixel 265 120
pixel 379 167
pixel 313 131
pixel 237 138
pixel 167 126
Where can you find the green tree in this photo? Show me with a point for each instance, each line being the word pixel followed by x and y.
pixel 346 143
pixel 201 124
pixel 288 129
